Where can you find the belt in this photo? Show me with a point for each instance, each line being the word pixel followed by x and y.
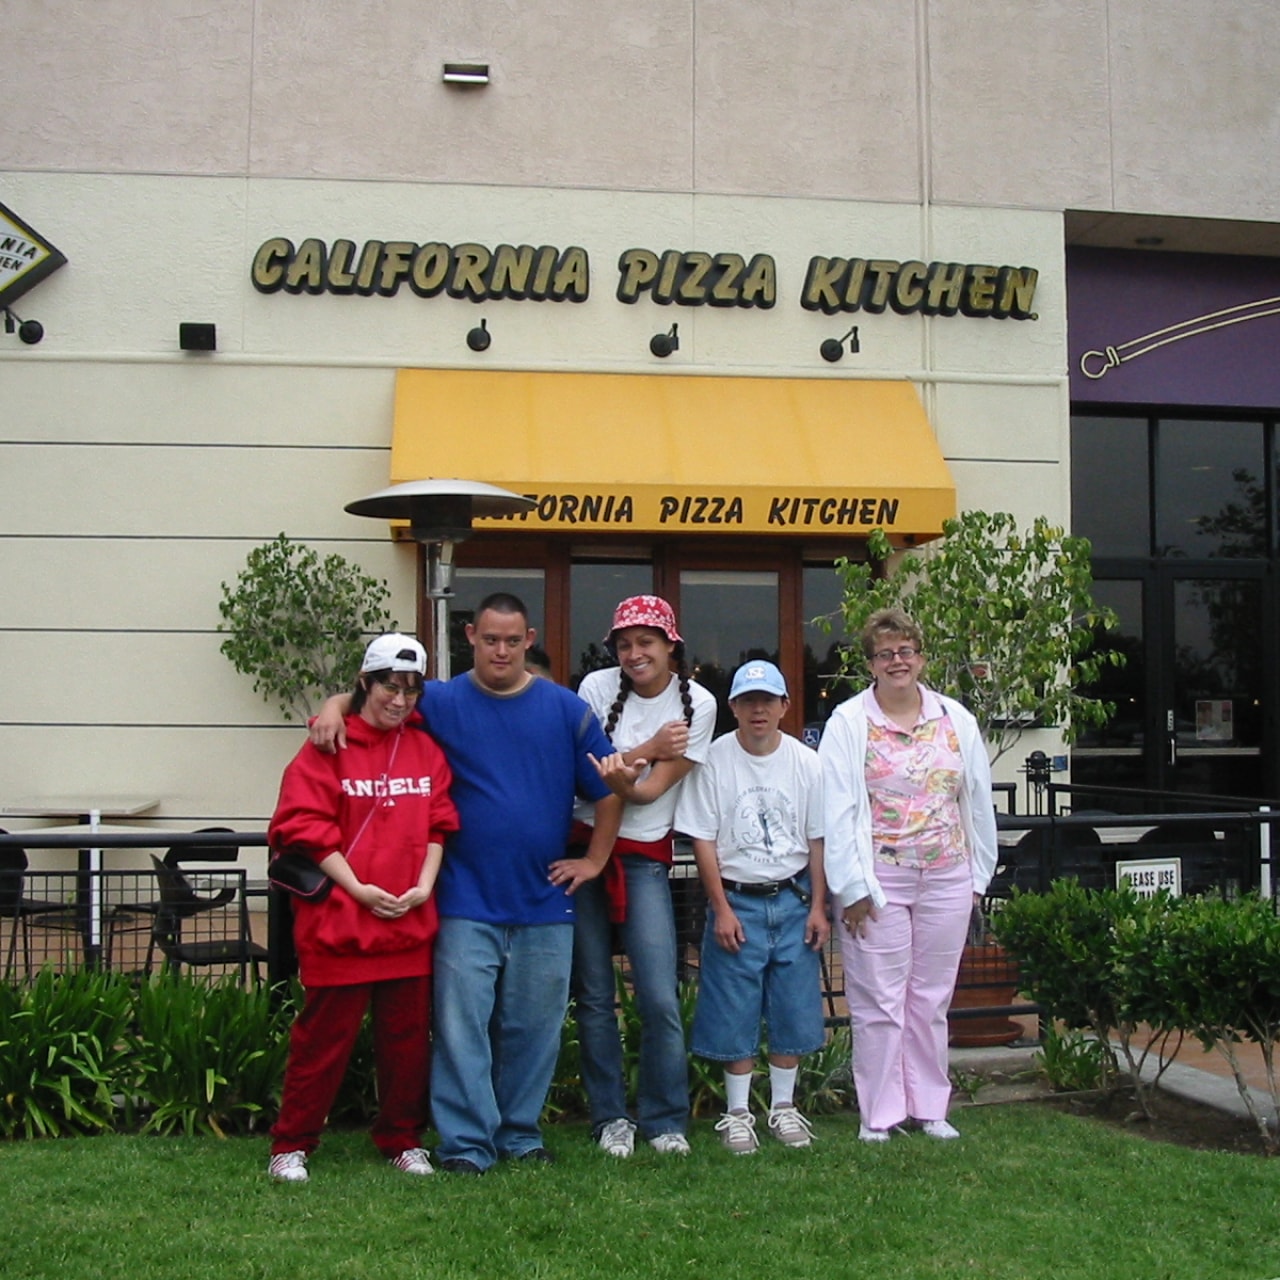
pixel 769 888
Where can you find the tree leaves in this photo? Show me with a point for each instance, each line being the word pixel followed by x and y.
pixel 1009 621
pixel 298 624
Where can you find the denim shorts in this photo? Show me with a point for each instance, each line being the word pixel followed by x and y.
pixel 774 980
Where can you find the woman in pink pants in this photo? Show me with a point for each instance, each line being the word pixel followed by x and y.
pixel 910 846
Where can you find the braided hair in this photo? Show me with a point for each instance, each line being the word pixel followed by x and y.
pixel 625 686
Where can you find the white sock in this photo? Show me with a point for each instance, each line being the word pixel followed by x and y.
pixel 737 1091
pixel 782 1085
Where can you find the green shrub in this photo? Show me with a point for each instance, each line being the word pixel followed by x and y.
pixel 63 1053
pixel 1073 1062
pixel 1084 956
pixel 1216 964
pixel 208 1057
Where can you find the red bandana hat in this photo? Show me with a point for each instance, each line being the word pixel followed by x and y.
pixel 644 611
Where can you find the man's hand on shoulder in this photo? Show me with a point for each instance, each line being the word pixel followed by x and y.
pixel 328 730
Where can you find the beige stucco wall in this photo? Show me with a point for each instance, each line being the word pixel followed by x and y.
pixel 1162 106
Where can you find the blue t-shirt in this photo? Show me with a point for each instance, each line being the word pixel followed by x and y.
pixel 518 762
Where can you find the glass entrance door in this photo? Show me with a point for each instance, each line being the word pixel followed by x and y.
pixel 1193 696
pixel 1213 711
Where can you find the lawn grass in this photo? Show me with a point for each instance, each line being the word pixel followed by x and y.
pixel 1027 1192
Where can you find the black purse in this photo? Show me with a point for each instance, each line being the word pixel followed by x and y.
pixel 298 876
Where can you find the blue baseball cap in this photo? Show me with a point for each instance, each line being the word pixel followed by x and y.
pixel 758 677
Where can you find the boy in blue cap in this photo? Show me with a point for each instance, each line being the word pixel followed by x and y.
pixel 754 812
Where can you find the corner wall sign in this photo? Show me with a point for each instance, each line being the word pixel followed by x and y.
pixel 26 257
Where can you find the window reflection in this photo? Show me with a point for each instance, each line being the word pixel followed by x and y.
pixel 727 617
pixel 1210 489
pixel 1110 492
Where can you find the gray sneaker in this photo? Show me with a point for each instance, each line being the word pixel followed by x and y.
pixel 618 1138
pixel 737 1130
pixel 670 1144
pixel 790 1127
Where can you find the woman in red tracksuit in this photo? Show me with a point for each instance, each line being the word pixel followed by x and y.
pixel 374 818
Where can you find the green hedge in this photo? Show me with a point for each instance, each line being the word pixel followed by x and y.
pixel 1114 963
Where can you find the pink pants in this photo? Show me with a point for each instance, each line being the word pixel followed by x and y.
pixel 320 1044
pixel 898 984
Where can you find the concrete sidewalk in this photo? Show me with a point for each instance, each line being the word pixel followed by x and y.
pixel 1194 1074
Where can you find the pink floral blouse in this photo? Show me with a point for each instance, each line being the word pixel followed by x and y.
pixel 913 780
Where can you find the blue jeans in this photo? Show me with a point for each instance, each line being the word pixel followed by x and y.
pixel 649 939
pixel 500 998
pixel 775 980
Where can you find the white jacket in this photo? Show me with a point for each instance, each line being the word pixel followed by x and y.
pixel 849 853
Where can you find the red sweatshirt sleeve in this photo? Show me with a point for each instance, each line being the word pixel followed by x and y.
pixel 306 816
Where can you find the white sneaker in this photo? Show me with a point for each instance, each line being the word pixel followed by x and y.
pixel 289 1166
pixel 618 1138
pixel 872 1135
pixel 939 1129
pixel 412 1161
pixel 790 1127
pixel 670 1144
pixel 737 1130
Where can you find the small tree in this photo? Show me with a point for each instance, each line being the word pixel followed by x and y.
pixel 1008 617
pixel 298 624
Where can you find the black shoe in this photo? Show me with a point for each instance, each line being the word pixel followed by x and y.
pixel 537 1155
pixel 460 1164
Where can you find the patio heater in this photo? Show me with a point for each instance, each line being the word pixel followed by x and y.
pixel 439 513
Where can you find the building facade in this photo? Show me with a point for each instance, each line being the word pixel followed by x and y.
pixel 665 223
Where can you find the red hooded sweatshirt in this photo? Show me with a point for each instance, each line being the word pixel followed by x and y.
pixel 379 802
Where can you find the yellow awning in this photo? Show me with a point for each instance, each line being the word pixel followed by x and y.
pixel 625 453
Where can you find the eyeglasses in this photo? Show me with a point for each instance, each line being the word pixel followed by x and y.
pixel 399 691
pixel 906 653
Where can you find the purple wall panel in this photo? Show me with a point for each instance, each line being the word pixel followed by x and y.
pixel 1121 304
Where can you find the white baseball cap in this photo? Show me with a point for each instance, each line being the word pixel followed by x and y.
pixel 395 652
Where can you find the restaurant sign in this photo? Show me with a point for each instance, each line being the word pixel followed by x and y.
pixel 749 509
pixel 26 257
pixel 687 278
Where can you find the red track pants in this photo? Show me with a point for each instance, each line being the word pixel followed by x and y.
pixel 320 1044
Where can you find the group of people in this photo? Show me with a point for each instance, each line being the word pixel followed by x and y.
pixel 493 839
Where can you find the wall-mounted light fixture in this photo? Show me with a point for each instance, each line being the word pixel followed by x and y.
pixel 198 337
pixel 478 339
pixel 472 73
pixel 29 331
pixel 663 344
pixel 832 349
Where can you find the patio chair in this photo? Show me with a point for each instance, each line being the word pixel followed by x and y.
pixel 20 910
pixel 180 905
pixel 139 917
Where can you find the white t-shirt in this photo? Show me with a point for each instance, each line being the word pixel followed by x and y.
pixel 761 811
pixel 641 718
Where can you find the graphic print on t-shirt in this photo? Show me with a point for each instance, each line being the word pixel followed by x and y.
pixel 761 815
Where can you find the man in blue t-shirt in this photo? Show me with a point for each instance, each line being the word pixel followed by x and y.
pixel 520 749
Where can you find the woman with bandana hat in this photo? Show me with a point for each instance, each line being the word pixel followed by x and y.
pixel 661 723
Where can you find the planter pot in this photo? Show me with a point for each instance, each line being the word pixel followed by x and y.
pixel 988 978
